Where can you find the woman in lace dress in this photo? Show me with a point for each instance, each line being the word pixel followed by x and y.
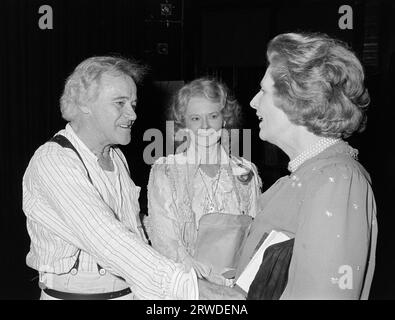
pixel 202 179
pixel 312 97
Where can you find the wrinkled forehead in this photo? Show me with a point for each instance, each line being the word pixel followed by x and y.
pixel 117 84
pixel 116 79
pixel 202 105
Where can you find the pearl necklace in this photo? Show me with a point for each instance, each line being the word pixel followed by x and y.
pixel 311 152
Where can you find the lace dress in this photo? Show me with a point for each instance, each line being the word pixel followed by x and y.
pixel 180 194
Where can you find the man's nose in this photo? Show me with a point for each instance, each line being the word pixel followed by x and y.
pixel 130 113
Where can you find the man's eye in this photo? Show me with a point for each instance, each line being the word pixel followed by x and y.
pixel 120 103
pixel 214 116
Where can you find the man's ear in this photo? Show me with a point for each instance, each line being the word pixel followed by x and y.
pixel 85 108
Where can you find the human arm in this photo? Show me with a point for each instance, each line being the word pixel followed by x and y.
pixel 76 212
pixel 248 183
pixel 255 191
pixel 170 230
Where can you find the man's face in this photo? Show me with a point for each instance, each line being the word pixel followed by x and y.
pixel 113 112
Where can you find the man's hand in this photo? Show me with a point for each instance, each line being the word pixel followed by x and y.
pixel 212 291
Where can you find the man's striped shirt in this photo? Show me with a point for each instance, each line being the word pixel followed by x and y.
pixel 66 212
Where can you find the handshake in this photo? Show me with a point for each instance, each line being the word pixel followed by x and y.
pixel 212 291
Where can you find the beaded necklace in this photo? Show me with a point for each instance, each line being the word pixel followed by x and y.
pixel 211 206
pixel 311 152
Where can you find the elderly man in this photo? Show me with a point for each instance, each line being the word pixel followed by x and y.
pixel 81 204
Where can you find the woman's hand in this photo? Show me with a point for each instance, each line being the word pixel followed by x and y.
pixel 212 291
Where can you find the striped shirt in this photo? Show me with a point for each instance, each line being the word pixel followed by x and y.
pixel 66 212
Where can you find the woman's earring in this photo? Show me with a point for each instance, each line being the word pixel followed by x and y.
pixel 224 124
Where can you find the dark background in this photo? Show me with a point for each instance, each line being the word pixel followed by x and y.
pixel 224 38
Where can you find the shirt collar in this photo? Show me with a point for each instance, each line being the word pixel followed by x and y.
pixel 80 145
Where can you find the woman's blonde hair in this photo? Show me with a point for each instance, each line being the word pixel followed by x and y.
pixel 319 83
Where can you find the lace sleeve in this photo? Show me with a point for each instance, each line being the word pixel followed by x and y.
pixel 162 226
pixel 255 192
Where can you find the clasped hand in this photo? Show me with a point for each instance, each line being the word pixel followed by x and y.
pixel 212 291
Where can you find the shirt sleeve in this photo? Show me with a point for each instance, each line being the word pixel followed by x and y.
pixel 332 241
pixel 90 225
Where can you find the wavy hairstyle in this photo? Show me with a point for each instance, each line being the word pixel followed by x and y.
pixel 82 85
pixel 211 89
pixel 319 83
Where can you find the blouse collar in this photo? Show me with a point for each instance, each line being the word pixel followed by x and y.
pixel 216 154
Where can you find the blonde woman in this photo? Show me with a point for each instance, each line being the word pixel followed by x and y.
pixel 203 179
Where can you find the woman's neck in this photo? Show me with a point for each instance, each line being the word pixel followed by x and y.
pixel 210 155
pixel 296 142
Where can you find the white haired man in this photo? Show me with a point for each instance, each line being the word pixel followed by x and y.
pixel 82 206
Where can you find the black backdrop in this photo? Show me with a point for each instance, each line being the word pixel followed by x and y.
pixel 226 38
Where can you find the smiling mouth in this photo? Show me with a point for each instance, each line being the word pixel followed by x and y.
pixel 126 126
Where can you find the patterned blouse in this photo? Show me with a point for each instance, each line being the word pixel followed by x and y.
pixel 328 206
pixel 179 194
